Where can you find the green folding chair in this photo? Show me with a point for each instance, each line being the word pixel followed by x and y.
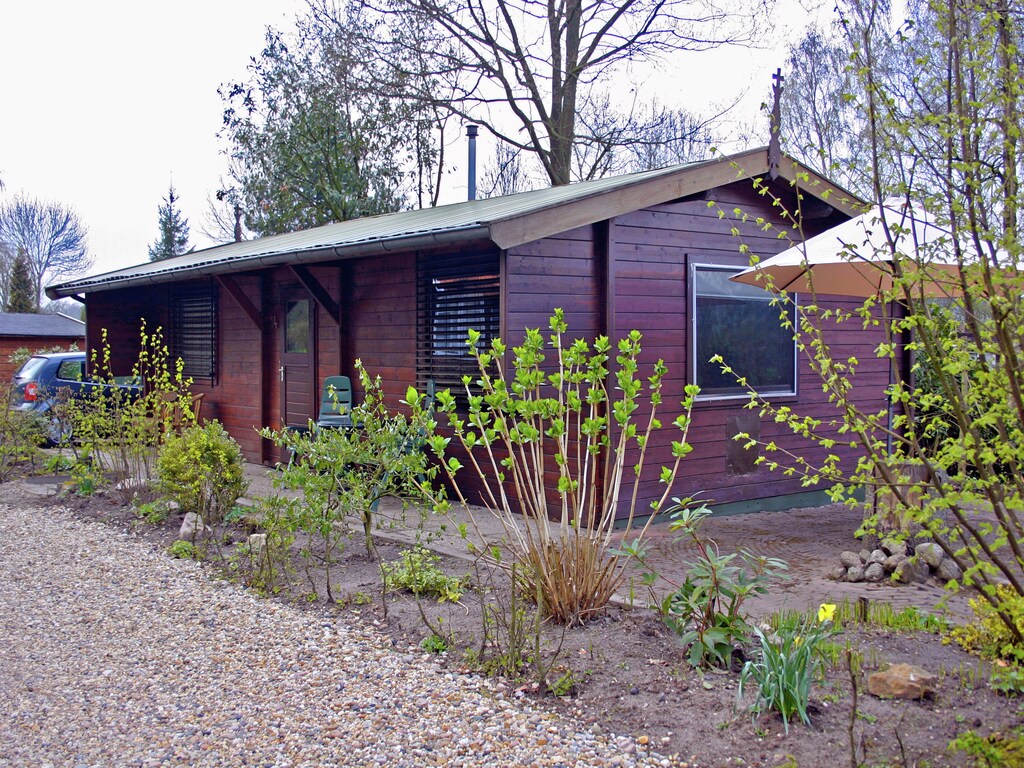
pixel 335 403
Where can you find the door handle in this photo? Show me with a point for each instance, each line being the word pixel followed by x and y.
pixel 281 371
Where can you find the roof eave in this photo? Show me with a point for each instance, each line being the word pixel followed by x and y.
pixel 687 180
pixel 419 241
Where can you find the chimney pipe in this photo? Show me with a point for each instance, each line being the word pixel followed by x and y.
pixel 471 131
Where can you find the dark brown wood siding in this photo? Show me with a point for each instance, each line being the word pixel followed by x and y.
pixel 235 397
pixel 382 323
pixel 651 250
pixel 565 271
pixel 121 314
pixel 610 277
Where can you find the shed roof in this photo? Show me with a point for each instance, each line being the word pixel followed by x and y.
pixel 58 325
pixel 505 221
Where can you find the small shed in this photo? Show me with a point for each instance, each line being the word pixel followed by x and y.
pixel 36 332
pixel 260 324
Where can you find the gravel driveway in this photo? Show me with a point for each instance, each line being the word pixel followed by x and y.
pixel 113 654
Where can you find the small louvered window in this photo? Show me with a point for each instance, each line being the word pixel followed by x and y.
pixel 456 293
pixel 193 330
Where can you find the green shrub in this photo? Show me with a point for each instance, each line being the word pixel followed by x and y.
pixel 21 434
pixel 183 550
pixel 434 644
pixel 117 426
pixel 265 564
pixel 990 636
pixel 58 464
pixel 203 470
pixel 344 473
pixel 787 662
pixel 581 412
pixel 997 750
pixel 153 512
pixel 416 571
pixel 1007 679
pixel 87 481
pixel 706 609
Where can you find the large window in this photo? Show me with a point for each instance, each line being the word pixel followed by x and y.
pixel 456 293
pixel 194 328
pixel 742 325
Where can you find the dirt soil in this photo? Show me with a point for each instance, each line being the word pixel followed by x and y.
pixel 625 673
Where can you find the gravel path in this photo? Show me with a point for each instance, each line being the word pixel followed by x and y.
pixel 113 654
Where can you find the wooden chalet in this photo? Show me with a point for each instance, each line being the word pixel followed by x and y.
pixel 259 324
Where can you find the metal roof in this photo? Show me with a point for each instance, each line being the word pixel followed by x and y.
pixel 474 220
pixel 19 324
pixel 417 228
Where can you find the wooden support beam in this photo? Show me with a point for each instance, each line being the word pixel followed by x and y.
pixel 235 291
pixel 323 298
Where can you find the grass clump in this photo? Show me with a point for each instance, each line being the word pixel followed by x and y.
pixel 787 663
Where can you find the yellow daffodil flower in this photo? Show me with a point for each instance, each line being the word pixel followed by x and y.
pixel 825 612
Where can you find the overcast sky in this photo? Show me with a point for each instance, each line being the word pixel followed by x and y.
pixel 103 102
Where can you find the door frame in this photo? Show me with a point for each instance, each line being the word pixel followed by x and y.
pixel 288 295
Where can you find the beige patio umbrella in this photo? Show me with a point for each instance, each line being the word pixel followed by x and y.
pixel 855 258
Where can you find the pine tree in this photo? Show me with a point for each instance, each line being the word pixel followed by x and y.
pixel 173 239
pixel 20 298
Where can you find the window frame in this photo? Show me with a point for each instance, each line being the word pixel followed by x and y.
pixel 205 304
pixel 440 356
pixel 693 267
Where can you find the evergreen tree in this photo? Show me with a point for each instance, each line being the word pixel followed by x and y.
pixel 20 298
pixel 173 239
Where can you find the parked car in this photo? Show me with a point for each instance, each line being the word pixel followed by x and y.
pixel 46 379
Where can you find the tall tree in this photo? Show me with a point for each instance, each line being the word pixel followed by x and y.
pixel 7 255
pixel 942 121
pixel 312 139
pixel 524 69
pixel 675 136
pixel 224 220
pixel 21 297
pixel 173 238
pixel 51 236
pixel 825 119
pixel 505 174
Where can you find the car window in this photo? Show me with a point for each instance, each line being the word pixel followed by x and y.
pixel 31 368
pixel 70 370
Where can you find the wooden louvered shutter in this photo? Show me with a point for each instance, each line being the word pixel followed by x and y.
pixel 457 292
pixel 194 328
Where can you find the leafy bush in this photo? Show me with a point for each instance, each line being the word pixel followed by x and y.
pixel 344 473
pixel 946 450
pixel 434 644
pixel 416 571
pixel 116 426
pixel 183 550
pixel 203 470
pixel 154 512
pixel 786 665
pixel 21 435
pixel 997 750
pixel 568 418
pixel 989 635
pixel 264 564
pixel 1007 679
pixel 706 609
pixel 59 463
